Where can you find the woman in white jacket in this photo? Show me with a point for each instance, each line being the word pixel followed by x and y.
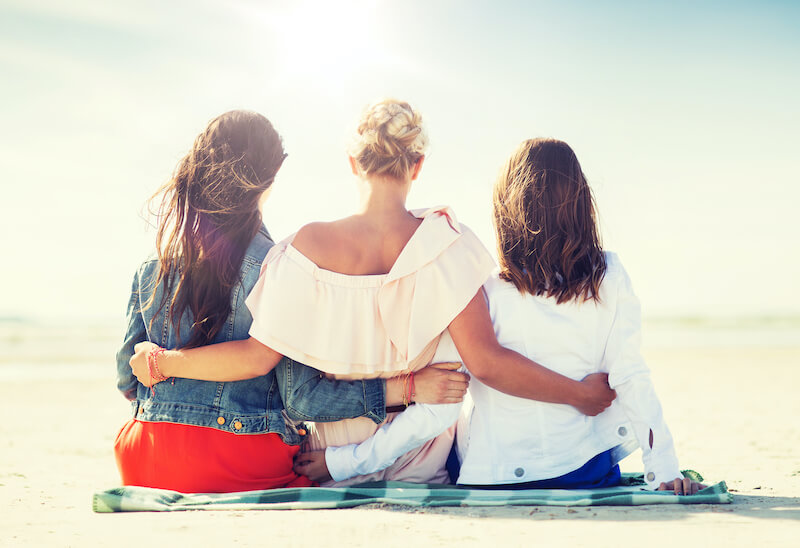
pixel 560 300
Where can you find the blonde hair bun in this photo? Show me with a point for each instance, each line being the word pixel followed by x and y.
pixel 389 139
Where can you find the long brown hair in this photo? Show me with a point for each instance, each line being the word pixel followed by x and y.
pixel 544 217
pixel 208 214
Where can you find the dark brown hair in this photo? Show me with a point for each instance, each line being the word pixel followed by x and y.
pixel 544 217
pixel 208 214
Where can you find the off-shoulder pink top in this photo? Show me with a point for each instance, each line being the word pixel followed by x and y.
pixel 373 325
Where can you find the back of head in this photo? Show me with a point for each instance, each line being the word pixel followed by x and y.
pixel 544 216
pixel 209 213
pixel 389 139
pixel 233 161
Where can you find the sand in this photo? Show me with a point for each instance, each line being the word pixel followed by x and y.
pixel 733 410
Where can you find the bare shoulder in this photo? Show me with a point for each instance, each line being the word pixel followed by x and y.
pixel 310 234
pixel 312 239
pixel 324 243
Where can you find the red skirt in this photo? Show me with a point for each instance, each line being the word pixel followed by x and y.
pixel 196 459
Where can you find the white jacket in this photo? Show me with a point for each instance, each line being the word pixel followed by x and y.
pixel 505 439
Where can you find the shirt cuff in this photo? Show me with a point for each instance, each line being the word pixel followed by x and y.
pixel 660 469
pixel 341 462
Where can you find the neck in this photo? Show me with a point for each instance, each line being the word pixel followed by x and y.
pixel 383 197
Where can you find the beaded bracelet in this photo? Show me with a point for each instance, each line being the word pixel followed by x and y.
pixel 152 365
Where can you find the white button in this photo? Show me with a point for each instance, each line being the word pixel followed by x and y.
pixel 622 431
pixel 519 472
pixel 651 476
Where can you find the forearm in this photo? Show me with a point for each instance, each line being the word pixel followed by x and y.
pixel 223 362
pixel 409 430
pixel 394 392
pixel 641 405
pixel 504 369
pixel 311 396
pixel 516 375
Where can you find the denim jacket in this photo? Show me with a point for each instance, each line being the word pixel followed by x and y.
pixel 251 406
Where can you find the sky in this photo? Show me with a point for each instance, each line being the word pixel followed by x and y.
pixel 685 117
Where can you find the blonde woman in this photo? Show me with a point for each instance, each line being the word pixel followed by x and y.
pixel 380 293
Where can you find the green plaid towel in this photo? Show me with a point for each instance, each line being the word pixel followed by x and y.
pixel 143 499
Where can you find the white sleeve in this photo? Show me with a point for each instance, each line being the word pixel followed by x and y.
pixel 410 429
pixel 629 375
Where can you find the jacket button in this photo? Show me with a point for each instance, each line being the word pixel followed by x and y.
pixel 622 431
pixel 237 425
pixel 519 472
pixel 220 420
pixel 651 476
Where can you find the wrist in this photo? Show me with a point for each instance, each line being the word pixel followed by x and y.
pixel 394 392
pixel 576 394
pixel 166 363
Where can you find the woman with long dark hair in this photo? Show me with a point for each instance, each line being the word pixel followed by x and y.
pixel 197 436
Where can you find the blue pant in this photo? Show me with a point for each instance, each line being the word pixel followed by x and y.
pixel 600 471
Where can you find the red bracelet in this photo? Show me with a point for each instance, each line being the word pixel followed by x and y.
pixel 152 365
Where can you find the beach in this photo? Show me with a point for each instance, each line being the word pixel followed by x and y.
pixel 729 395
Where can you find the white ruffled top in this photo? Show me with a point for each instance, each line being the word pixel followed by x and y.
pixel 370 326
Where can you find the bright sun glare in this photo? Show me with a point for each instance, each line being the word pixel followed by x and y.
pixel 323 40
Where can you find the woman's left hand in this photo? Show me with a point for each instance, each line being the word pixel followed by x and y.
pixel 681 486
pixel 138 362
pixel 312 465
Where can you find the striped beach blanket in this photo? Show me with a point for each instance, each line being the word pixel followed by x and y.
pixel 143 499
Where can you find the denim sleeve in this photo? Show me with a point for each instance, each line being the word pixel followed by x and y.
pixel 311 396
pixel 126 381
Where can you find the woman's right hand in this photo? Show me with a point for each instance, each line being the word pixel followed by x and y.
pixel 440 383
pixel 596 396
pixel 138 362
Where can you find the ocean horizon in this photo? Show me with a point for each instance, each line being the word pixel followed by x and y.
pixel 31 347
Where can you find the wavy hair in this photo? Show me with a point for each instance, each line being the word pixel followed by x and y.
pixel 544 217
pixel 208 214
